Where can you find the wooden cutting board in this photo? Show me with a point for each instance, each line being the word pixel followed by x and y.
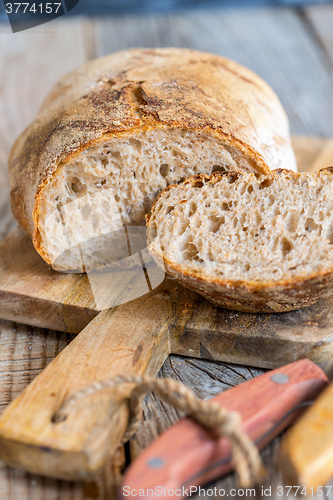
pixel 32 293
pixel 133 337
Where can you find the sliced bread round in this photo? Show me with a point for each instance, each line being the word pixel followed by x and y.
pixel 115 132
pixel 248 242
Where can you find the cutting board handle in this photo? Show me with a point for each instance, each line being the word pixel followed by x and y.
pixel 131 338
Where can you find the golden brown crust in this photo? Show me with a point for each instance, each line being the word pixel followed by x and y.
pixel 139 88
pixel 248 296
pixel 257 297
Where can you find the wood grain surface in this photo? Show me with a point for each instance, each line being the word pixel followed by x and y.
pixel 77 447
pixel 32 293
pixel 290 48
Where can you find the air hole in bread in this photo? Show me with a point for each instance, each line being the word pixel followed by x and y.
pixel 77 186
pixel 292 222
pixel 286 246
pixel 216 223
pixel 265 184
pixel 183 228
pixel 191 253
pixel 164 169
pixel 233 176
pixel 146 203
pixel 98 255
pixel 136 144
pixel 250 189
pixel 271 200
pixel 176 152
pixel 198 184
pixel 86 211
pixel 242 189
pixel 329 234
pixel 169 210
pixel 310 224
pixel 105 207
pixel 192 209
pixel 218 168
pixel 95 220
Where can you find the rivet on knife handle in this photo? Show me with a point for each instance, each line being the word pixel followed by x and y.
pixel 188 455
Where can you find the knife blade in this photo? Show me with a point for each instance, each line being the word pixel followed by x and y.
pixel 187 455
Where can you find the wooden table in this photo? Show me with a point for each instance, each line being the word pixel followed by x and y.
pixel 292 49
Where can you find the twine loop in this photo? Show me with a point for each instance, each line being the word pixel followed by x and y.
pixel 208 414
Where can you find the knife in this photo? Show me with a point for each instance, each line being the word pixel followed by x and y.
pixel 306 453
pixel 186 455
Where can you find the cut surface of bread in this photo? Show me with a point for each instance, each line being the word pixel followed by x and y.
pixel 115 184
pixel 249 242
pixel 115 132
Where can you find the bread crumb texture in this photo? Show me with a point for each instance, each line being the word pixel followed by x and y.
pixel 269 235
pixel 115 183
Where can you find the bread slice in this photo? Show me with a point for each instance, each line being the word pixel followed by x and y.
pixel 115 132
pixel 248 242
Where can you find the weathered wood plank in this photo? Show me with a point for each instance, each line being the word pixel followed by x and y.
pixel 24 353
pixel 274 42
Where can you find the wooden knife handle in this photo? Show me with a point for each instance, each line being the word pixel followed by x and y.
pixel 306 454
pixel 187 455
pixel 131 338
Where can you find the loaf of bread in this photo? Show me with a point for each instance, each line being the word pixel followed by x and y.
pixel 115 132
pixel 248 242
